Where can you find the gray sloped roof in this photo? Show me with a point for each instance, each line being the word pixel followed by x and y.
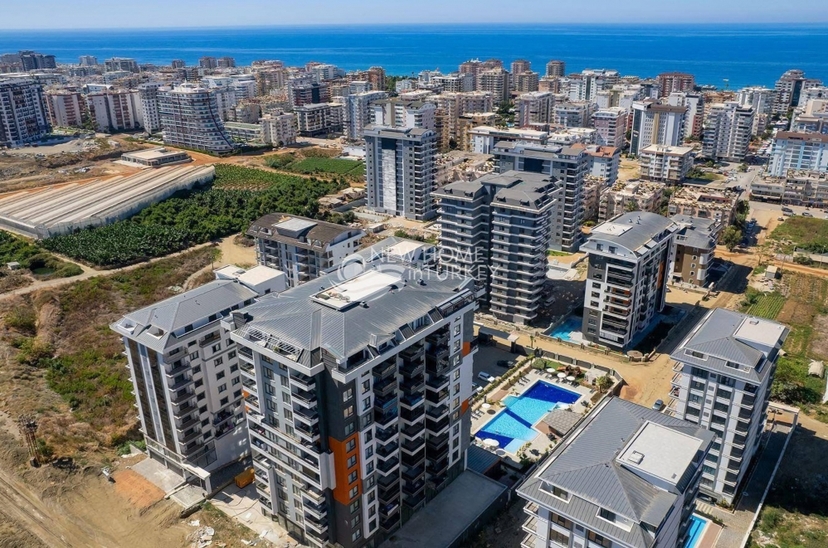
pixel 585 465
pixel 636 229
pixel 717 337
pixel 289 316
pixel 184 309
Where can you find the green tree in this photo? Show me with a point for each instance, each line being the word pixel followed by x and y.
pixel 731 237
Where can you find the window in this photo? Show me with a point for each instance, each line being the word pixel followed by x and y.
pixel 366 404
pixel 285 397
pixel 354 506
pixel 455 403
pixel 456 346
pixel 348 411
pixel 234 368
pixel 457 375
pixel 237 394
pixel 369 435
pixel 695 354
pixel 560 538
pixel 606 514
pixel 357 534
pixel 366 386
pixel 457 329
pixel 598 539
pixel 353 492
pixel 222 388
pixel 612 249
pixel 218 361
pixel 224 401
pixel 200 396
pixel 369 467
pixel 199 383
pixel 709 470
pixel 217 347
pixel 349 428
pixel 455 429
pixel 347 395
pixel 219 375
pixel 231 355
pixel 236 380
pixel 350 446
pixel 194 355
pixel 558 492
pixel 351 461
pixel 352 477
pixel 205 422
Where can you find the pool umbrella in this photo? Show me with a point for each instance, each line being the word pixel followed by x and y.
pixel 550 369
pixel 570 378
pixel 486 406
pixel 491 443
pixel 561 375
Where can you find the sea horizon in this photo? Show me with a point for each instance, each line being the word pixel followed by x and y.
pixel 745 54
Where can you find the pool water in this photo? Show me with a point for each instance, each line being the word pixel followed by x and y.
pixel 565 331
pixel 694 534
pixel 512 427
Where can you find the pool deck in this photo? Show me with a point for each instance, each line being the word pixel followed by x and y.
pixel 541 442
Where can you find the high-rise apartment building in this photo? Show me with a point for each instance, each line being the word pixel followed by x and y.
pixel 725 370
pixel 278 129
pixel 399 171
pixel 148 95
pixel 497 82
pixel 125 64
pixel 190 118
pixel 656 124
pixel 358 114
pixel 670 82
pixel 320 119
pixel 798 152
pixel 88 61
pixel 556 68
pixel 312 93
pixel 23 114
pixel 629 258
pixel 666 164
pixel 356 390
pixel 610 126
pixel 225 62
pixel 626 477
pixel 525 82
pixel 535 108
pixel 569 114
pixel 114 110
pixel 302 248
pixel 66 108
pixel 570 166
pixel 185 375
pixel 694 116
pixel 520 65
pixel 788 89
pixel 761 99
pixel 31 60
pixel 496 230
pixel 727 131
pixel 589 82
pixel 695 249
pixel 208 62
pixel 454 83
pixel 403 114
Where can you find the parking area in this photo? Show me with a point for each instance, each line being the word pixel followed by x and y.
pixel 492 360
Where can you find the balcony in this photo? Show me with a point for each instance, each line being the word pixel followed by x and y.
pixel 413 488
pixel 413 473
pixel 435 384
pixel 176 370
pixel 387 433
pixel 181 397
pixel 388 510
pixel 438 426
pixel 388 449
pixel 412 386
pixel 391 523
pixel 188 423
pixel 412 401
pixel 414 501
pixel 412 370
pixel 384 419
pixel 303 381
pixel 308 433
pixel 385 386
pixel 304 397
pixel 389 491
pixel 384 369
pixel 388 466
pixel 412 415
pixel 309 416
pixel 436 443
pixel 209 339
pixel 437 411
pixel 192 436
pixel 413 430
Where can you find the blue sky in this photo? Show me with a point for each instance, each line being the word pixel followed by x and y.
pixel 68 14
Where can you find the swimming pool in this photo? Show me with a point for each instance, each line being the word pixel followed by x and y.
pixel 569 330
pixel 694 534
pixel 512 427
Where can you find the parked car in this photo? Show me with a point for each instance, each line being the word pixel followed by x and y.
pixel 485 377
pixel 787 210
pixel 476 388
pixel 806 214
pixel 504 363
pixel 658 405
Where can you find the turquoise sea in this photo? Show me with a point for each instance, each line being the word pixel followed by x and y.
pixel 744 55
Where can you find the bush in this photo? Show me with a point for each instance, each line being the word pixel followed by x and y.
pixel 771 518
pixel 34 352
pixel 23 319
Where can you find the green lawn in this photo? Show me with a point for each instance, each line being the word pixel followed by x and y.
pixel 327 165
pixel 768 306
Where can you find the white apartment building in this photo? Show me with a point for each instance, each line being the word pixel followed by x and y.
pixel 150 115
pixel 629 258
pixel 484 138
pixel 278 129
pixel 664 163
pixel 798 152
pixel 727 131
pixel 656 124
pixel 454 83
pixel 813 118
pixel 400 171
pixel 356 392
pixel 610 126
pixel 568 115
pixel 190 119
pixel 403 114
pixel 358 114
pixel 604 162
pixel 556 68
pixel 66 108
pixel 724 371
pixel 185 375
pixel 525 82
pixel 694 117
pixel 625 477
pixel 302 248
pixel 761 99
pixel 23 114
pixel 626 196
pixel 535 108
pixel 114 110
pixel 589 82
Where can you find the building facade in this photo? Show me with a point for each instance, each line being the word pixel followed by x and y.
pixel 190 118
pixel 66 109
pixel 665 163
pixel 185 375
pixel 725 367
pixel 400 171
pixel 358 405
pixel 23 114
pixel 798 152
pixel 656 124
pixel 695 249
pixel 629 260
pixel 302 248
pixel 610 126
pixel 727 131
